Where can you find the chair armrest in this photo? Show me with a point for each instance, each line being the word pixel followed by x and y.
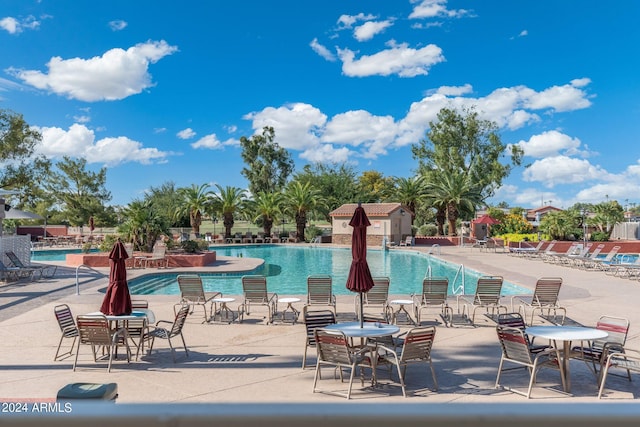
pixel 163 321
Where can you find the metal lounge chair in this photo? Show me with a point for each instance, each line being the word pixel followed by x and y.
pixel 434 295
pixel 320 291
pixel 628 361
pixel 193 294
pixel 94 330
pixel 378 296
pixel 595 353
pixel 68 328
pixel 158 258
pixel 47 271
pixel 516 349
pixel 544 298
pixel 602 263
pixel 254 288
pixel 334 350
pixel 314 319
pixel 11 274
pixel 416 348
pixel 174 330
pixel 487 296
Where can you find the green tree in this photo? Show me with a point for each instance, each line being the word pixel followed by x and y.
pixel 20 168
pixel 227 201
pixel 267 207
pixel 268 165
pixel 560 225
pixel 143 225
pixel 166 200
pixel 194 201
pixel 335 182
pixel 606 216
pixel 410 192
pixel 82 193
pixel 462 143
pixel 373 187
pixel 300 200
pixel 457 192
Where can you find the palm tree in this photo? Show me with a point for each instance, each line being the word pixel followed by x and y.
pixel 410 192
pixel 267 207
pixel 301 199
pixel 456 192
pixel 227 201
pixel 144 225
pixel 194 202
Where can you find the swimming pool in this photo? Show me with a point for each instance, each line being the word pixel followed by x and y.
pixel 54 254
pixel 287 268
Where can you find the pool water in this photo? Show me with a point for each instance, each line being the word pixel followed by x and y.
pixel 55 254
pixel 287 268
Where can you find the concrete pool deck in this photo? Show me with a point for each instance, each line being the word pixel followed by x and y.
pixel 252 362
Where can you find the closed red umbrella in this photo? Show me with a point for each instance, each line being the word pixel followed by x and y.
pixel 117 301
pixel 359 279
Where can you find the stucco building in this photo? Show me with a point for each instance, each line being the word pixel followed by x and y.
pixel 390 220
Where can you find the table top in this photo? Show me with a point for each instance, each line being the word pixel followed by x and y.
pixel 369 329
pixel 401 301
pixel 225 299
pixel 566 333
pixel 288 300
pixel 135 314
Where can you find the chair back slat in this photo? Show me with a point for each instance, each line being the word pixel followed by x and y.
pixel 191 288
pixel 546 291
pixel 379 294
pixel 435 290
pixel 333 346
pixel 488 290
pixel 94 330
pixel 616 327
pixel 418 344
pixel 319 290
pixel 515 344
pixel 255 289
pixel 314 319
pixel 65 320
pixel 178 324
pixel 512 320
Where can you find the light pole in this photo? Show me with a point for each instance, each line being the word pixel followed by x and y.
pixel 584 213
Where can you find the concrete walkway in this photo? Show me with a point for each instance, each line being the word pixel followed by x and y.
pixel 253 362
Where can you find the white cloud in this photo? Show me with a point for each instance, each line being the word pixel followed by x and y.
pixel 523 33
pixel 297 125
pixel 118 25
pixel 347 21
pixel 549 143
pixel 326 153
pixel 555 170
pixel 187 133
pixel 322 50
pixel 370 29
pixel 79 141
pixel 561 98
pixel 361 128
pixel 115 75
pixel 82 119
pixel 211 142
pixel 435 8
pixel 398 59
pixel 455 90
pixel 15 26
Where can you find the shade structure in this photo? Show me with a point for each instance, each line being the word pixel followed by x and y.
pixel 359 279
pixel 18 214
pixel 117 300
pixel 486 219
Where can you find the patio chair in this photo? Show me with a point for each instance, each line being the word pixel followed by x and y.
pixel 544 298
pixel 320 291
pixel 237 238
pixel 416 348
pixel 192 293
pixel 254 288
pixel 515 320
pixel 516 349
pixel 68 328
pixel 158 258
pixel 595 353
pixel 334 350
pixel 314 319
pixel 275 238
pixel 47 271
pixel 10 274
pixel 581 261
pixel 94 330
pixel 526 249
pixel 434 294
pixel 378 296
pixel 174 330
pixel 487 296
pixel 248 238
pixel 136 327
pixel 259 237
pixel 293 237
pixel 629 362
pixel 602 263
pixel 407 241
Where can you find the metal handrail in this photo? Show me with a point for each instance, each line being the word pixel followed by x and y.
pixel 77 271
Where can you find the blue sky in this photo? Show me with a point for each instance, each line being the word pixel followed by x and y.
pixel 161 91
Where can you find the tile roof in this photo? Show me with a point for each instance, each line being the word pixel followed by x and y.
pixel 371 209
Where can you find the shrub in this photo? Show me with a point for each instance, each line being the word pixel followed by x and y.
pixel 600 236
pixel 427 230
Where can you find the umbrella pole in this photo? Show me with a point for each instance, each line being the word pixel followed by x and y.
pixel 361 312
